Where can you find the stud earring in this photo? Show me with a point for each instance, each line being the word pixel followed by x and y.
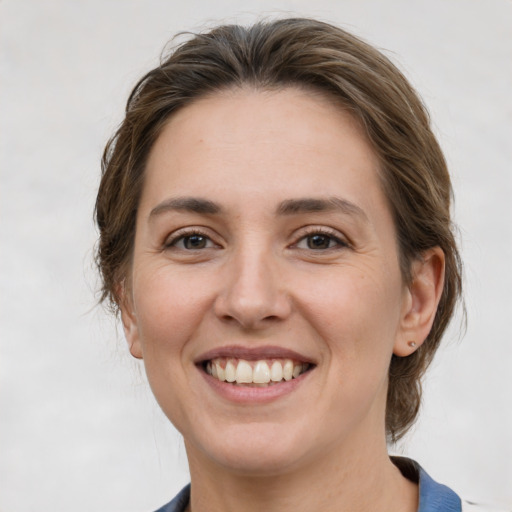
pixel 411 344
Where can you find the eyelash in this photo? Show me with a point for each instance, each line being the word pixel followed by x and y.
pixel 324 232
pixel 312 231
pixel 183 235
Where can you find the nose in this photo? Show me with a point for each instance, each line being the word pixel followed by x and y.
pixel 253 293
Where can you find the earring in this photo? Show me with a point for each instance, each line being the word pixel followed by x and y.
pixel 411 344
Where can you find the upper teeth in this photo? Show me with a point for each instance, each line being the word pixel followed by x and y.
pixel 255 372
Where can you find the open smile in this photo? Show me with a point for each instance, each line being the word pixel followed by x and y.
pixel 267 370
pixel 262 372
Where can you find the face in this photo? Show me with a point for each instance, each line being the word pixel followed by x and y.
pixel 265 252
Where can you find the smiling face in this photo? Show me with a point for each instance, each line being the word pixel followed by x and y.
pixel 265 247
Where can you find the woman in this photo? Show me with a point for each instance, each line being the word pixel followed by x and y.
pixel 274 217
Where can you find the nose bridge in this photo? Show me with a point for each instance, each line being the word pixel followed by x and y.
pixel 252 293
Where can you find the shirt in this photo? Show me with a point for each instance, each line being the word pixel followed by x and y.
pixel 434 497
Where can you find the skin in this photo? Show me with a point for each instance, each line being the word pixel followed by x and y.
pixel 255 281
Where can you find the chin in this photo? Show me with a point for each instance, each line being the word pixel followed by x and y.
pixel 253 450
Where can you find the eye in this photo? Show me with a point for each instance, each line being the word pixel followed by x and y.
pixel 191 242
pixel 320 241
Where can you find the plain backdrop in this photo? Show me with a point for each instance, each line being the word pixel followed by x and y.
pixel 79 429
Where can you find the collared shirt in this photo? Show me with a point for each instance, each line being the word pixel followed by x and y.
pixel 434 497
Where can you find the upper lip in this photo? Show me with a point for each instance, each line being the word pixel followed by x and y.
pixel 253 354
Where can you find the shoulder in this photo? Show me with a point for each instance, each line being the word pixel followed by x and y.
pixel 435 497
pixel 179 503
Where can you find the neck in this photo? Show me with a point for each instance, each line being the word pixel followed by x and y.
pixel 343 479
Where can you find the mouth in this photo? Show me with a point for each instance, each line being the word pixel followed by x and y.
pixel 255 373
pixel 250 367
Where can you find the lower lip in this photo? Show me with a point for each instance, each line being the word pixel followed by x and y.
pixel 253 395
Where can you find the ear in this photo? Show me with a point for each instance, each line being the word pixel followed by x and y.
pixel 421 301
pixel 129 319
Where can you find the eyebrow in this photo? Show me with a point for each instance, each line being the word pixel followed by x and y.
pixel 313 204
pixel 186 204
pixel 288 207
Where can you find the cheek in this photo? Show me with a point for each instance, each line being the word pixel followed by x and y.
pixel 354 308
pixel 356 316
pixel 169 307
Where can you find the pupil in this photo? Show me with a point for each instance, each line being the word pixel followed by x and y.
pixel 318 242
pixel 195 242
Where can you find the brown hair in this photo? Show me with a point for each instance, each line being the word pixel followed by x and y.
pixel 312 55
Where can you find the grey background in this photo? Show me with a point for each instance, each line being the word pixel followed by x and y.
pixel 79 428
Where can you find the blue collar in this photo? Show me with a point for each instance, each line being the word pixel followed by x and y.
pixel 434 497
pixel 179 503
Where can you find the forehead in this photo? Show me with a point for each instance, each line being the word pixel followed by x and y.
pixel 281 144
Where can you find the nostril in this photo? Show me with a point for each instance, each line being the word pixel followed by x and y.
pixel 251 307
pixel 250 323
